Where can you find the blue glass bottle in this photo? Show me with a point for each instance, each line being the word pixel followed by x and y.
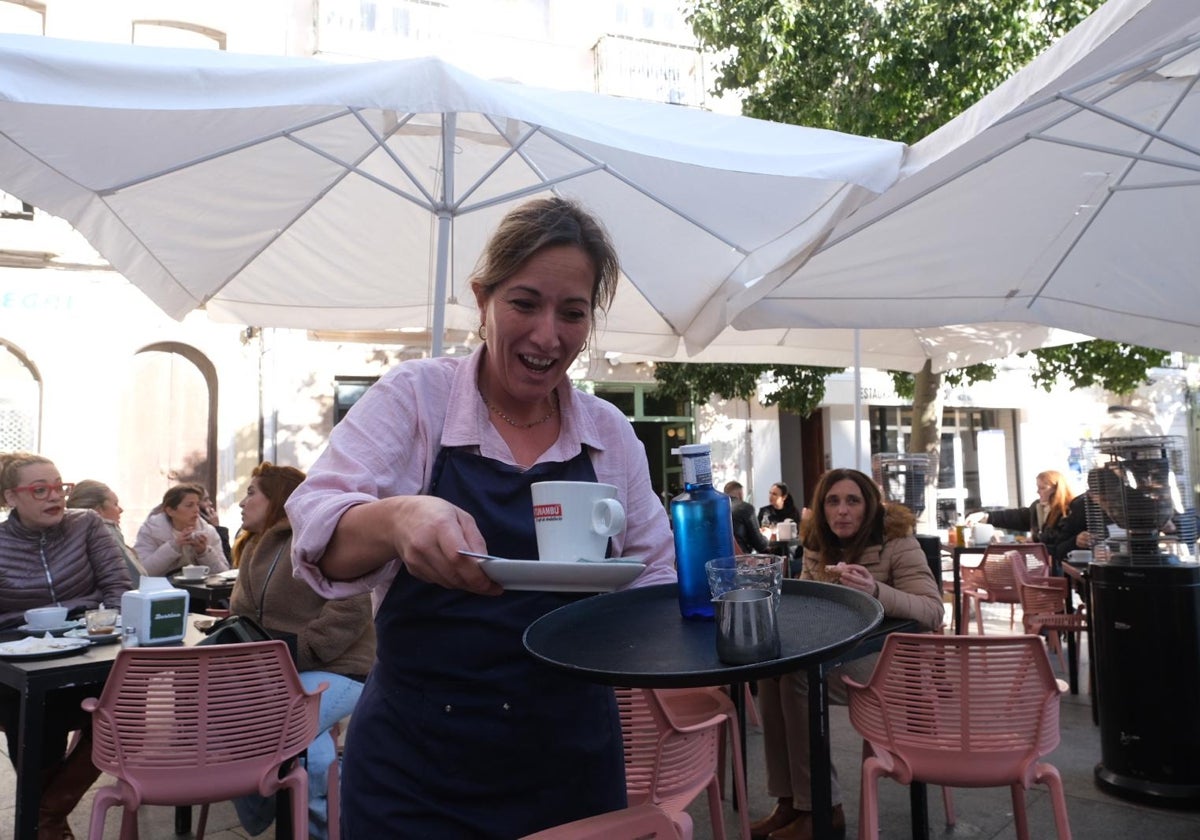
pixel 703 525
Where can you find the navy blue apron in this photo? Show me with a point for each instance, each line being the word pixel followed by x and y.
pixel 459 732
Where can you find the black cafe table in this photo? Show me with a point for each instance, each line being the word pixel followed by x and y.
pixel 636 638
pixel 205 593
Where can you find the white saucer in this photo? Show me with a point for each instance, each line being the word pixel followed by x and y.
pixel 98 638
pixel 553 576
pixel 56 629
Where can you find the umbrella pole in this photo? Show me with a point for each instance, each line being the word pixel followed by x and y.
pixel 444 232
pixel 858 454
pixel 439 286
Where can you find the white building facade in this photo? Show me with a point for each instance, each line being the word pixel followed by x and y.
pixel 97 378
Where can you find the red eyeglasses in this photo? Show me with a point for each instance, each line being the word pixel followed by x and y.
pixel 41 492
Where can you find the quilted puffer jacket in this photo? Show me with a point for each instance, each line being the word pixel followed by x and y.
pixel 75 564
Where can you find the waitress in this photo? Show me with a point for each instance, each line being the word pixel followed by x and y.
pixel 459 732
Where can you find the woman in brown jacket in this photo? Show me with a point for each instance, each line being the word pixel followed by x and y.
pixel 335 640
pixel 853 540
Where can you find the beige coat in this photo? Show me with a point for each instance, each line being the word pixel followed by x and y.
pixel 906 586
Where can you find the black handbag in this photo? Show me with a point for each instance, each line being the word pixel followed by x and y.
pixel 236 629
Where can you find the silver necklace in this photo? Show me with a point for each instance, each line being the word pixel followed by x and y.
pixel 553 410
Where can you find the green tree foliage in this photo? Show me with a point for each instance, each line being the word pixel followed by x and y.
pixel 794 388
pixel 885 68
pixel 1114 367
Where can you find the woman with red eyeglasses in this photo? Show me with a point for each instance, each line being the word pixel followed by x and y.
pixel 51 556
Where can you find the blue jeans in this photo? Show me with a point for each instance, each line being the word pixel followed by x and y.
pixel 257 812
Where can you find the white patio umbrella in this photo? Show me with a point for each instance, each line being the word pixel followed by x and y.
pixel 1067 197
pixel 289 192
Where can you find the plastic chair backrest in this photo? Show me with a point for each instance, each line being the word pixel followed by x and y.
pixel 195 724
pixel 664 765
pixel 635 823
pixel 962 711
pixel 995 572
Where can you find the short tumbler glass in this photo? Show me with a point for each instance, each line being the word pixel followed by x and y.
pixel 742 571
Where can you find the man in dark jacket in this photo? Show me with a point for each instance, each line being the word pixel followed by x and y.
pixel 745 522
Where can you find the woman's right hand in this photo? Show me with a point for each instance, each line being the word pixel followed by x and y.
pixel 425 532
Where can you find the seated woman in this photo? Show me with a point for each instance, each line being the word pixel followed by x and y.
pixel 335 640
pixel 53 556
pixel 779 507
pixel 90 494
pixel 1058 518
pixel 174 535
pixel 853 540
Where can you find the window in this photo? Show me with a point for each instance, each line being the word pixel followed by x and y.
pixel 347 390
pixel 661 424
pixel 977 461
pixel 20 402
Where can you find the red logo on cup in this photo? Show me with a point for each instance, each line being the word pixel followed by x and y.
pixel 542 513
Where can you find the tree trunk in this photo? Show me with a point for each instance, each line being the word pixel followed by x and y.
pixel 927 435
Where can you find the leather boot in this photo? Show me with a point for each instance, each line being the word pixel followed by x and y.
pixel 802 827
pixel 64 788
pixel 783 814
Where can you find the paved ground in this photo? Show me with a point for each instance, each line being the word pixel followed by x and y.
pixel 981 813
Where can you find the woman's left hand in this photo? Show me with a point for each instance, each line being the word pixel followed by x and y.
pixel 857 577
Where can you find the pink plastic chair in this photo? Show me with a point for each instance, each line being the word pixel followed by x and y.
pixel 194 725
pixel 959 711
pixel 688 706
pixel 670 763
pixel 993 582
pixel 1044 603
pixel 641 821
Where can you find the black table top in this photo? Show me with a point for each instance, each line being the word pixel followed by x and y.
pixel 637 638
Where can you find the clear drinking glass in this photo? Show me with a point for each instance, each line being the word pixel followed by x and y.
pixel 746 571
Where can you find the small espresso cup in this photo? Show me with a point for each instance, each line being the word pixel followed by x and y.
pixel 194 572
pixel 747 626
pixel 574 519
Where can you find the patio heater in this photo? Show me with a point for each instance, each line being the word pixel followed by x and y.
pixel 901 478
pixel 1145 603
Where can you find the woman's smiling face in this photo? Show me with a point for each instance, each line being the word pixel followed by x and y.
pixel 537 323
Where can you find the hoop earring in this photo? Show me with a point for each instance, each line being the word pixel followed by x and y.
pixel 483 332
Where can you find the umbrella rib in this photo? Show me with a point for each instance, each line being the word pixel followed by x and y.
pixel 636 188
pixel 308 205
pixel 513 149
pixel 1146 64
pixel 387 150
pixel 1130 156
pixel 1142 129
pixel 284 133
pixel 1149 136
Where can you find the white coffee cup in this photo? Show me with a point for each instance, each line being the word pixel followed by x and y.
pixel 574 519
pixel 194 572
pixel 982 533
pixel 43 618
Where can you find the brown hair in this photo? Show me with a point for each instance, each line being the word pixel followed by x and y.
pixel 12 463
pixel 544 223
pixel 1060 497
pixel 277 484
pixel 90 494
pixel 819 536
pixel 173 498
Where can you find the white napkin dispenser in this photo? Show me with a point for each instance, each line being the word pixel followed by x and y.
pixel 156 610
